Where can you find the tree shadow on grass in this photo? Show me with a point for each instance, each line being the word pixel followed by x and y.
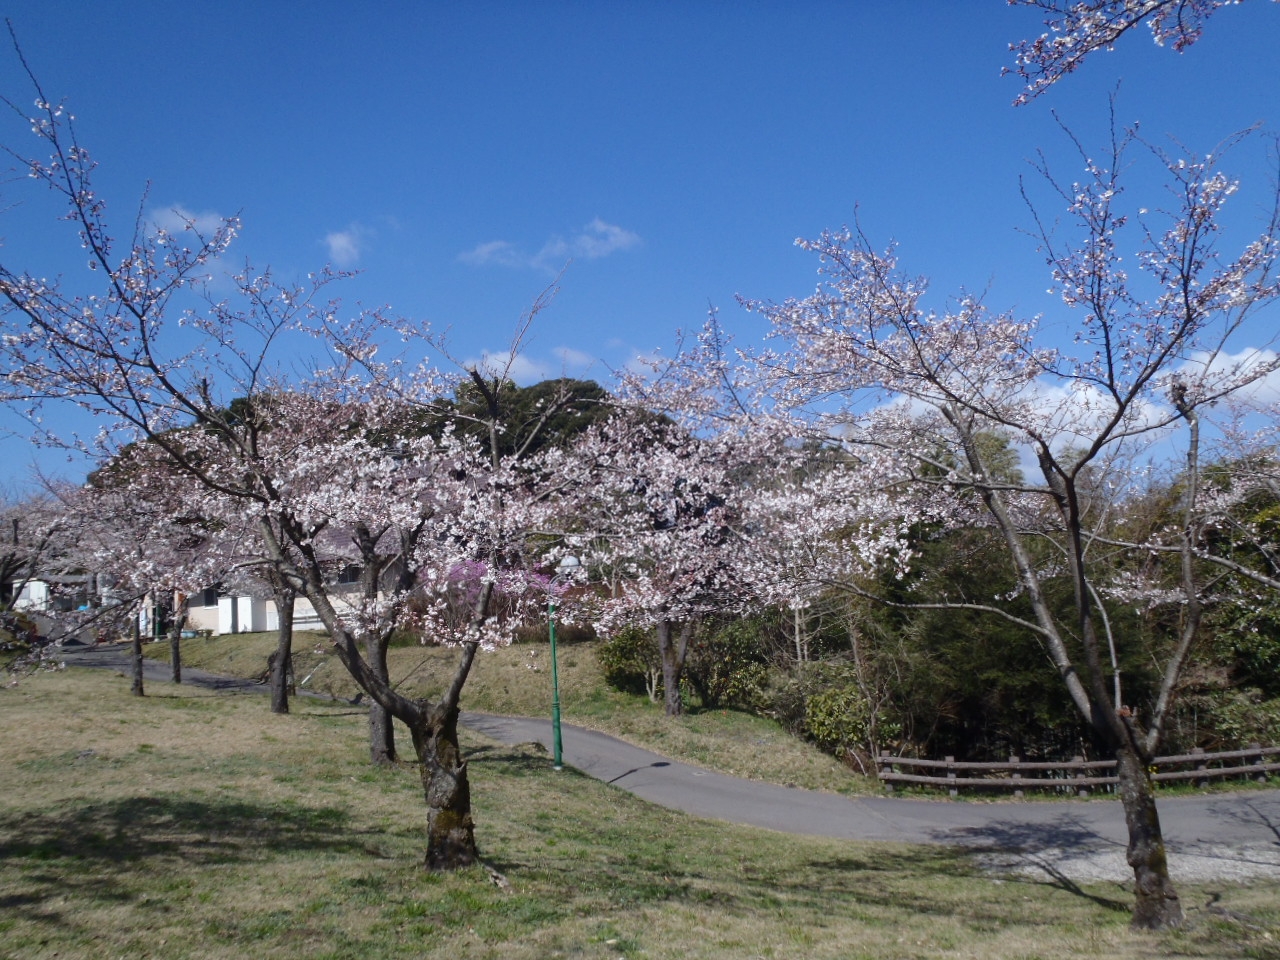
pixel 908 884
pixel 525 759
pixel 200 831
pixel 1028 849
pixel 115 851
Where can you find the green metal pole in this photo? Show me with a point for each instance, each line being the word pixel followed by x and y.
pixel 555 685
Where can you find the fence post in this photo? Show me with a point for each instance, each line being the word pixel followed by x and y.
pixel 1201 782
pixel 1079 775
pixel 1262 774
pixel 1017 775
pixel 885 767
pixel 952 787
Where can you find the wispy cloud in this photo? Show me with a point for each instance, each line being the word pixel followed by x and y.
pixel 494 252
pixel 178 218
pixel 346 246
pixel 525 370
pixel 574 360
pixel 595 240
pixel 519 368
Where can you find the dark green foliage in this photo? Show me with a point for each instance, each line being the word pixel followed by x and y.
pixel 632 663
pixel 542 415
pixel 839 720
pixel 726 664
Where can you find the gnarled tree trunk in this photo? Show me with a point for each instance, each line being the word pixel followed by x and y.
pixel 451 841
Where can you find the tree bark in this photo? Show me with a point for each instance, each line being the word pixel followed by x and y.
pixel 451 841
pixel 135 656
pixel 1156 903
pixel 673 656
pixel 382 734
pixel 281 661
pixel 176 623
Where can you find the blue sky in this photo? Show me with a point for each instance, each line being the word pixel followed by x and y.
pixel 459 154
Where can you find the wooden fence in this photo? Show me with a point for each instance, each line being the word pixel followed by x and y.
pixel 1077 776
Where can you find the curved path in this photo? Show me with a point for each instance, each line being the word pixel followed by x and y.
pixel 1218 836
pixel 1224 836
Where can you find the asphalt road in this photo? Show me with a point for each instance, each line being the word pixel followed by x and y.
pixel 1211 836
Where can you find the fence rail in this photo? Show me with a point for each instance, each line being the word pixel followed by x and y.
pixel 1078 775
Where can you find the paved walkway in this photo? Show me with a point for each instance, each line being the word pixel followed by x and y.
pixel 1214 836
pixel 1223 836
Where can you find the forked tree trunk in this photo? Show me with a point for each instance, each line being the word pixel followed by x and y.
pixel 1156 903
pixel 673 650
pixel 382 734
pixel 451 841
pixel 281 661
pixel 135 656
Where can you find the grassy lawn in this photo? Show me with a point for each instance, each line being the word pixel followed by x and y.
pixel 189 824
pixel 516 680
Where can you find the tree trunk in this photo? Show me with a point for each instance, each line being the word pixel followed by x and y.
pixel 451 841
pixel 382 734
pixel 176 623
pixel 281 661
pixel 135 654
pixel 673 655
pixel 1156 905
pixel 175 657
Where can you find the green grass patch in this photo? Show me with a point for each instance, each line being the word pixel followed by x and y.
pixel 239 833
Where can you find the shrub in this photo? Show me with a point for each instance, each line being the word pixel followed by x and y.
pixel 726 667
pixel 631 662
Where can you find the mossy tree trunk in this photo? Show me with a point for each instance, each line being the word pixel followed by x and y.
pixel 451 841
pixel 1156 904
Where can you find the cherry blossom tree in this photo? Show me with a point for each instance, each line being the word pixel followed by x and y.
pixel 144 546
pixel 659 509
pixel 864 361
pixel 1078 28
pixel 346 452
pixel 32 538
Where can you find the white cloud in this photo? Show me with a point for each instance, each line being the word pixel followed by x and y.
pixel 519 368
pixel 595 240
pixel 176 219
pixel 346 246
pixel 495 251
pixel 1257 369
pixel 525 370
pixel 574 360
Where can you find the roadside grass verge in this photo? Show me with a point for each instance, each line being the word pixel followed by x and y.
pixel 516 680
pixel 191 824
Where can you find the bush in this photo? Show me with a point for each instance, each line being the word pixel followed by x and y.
pixel 838 719
pixel 631 662
pixel 726 667
pixel 1236 718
